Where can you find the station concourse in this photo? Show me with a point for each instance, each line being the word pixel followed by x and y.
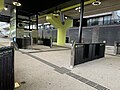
pixel 60 45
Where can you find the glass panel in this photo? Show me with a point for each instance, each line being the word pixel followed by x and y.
pixel 107 20
pixel 100 21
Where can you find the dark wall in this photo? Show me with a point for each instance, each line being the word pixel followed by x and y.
pixel 4 18
pixel 87 35
pixel 110 34
pixel 48 34
pixel 73 34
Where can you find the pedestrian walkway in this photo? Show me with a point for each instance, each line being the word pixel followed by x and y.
pixel 51 71
pixel 41 76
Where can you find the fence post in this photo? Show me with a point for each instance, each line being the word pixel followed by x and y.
pixel 72 55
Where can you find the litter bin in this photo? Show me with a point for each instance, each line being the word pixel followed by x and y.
pixel 7 68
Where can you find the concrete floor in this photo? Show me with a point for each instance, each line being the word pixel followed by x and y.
pixel 4 42
pixel 49 69
pixel 34 68
pixel 39 76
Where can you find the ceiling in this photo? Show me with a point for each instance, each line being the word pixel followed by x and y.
pixel 30 7
pixel 41 7
pixel 45 6
pixel 106 6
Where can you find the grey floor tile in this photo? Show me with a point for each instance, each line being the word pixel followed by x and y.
pixel 92 84
pixel 73 75
pixel 99 87
pixel 62 70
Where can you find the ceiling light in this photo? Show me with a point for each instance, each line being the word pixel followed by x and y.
pixel 79 7
pixel 66 17
pixel 39 24
pixel 76 9
pixel 46 23
pixel 14 10
pixel 6 8
pixel 24 21
pixel 16 3
pixel 97 2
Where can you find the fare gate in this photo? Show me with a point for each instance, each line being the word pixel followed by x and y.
pixel 7 68
pixel 82 53
pixel 117 48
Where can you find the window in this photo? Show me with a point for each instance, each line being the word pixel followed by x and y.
pixel 95 21
pixel 100 21
pixel 107 20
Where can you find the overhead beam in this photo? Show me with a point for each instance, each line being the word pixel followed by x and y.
pixel 77 5
pixel 1 4
pixel 71 7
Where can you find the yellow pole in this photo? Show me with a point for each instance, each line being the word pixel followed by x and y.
pixel 61 29
pixel 61 37
pixel 1 4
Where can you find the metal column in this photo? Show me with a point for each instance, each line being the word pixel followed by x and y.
pixel 37 25
pixel 81 21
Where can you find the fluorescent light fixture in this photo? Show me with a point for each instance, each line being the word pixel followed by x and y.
pixel 24 21
pixel 76 9
pixel 48 26
pixel 46 23
pixel 16 3
pixel 6 8
pixel 14 10
pixel 39 24
pixel 66 17
pixel 42 27
pixel 97 2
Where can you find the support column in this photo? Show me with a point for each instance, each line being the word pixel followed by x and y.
pixel 61 33
pixel 1 4
pixel 81 21
pixel 61 37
